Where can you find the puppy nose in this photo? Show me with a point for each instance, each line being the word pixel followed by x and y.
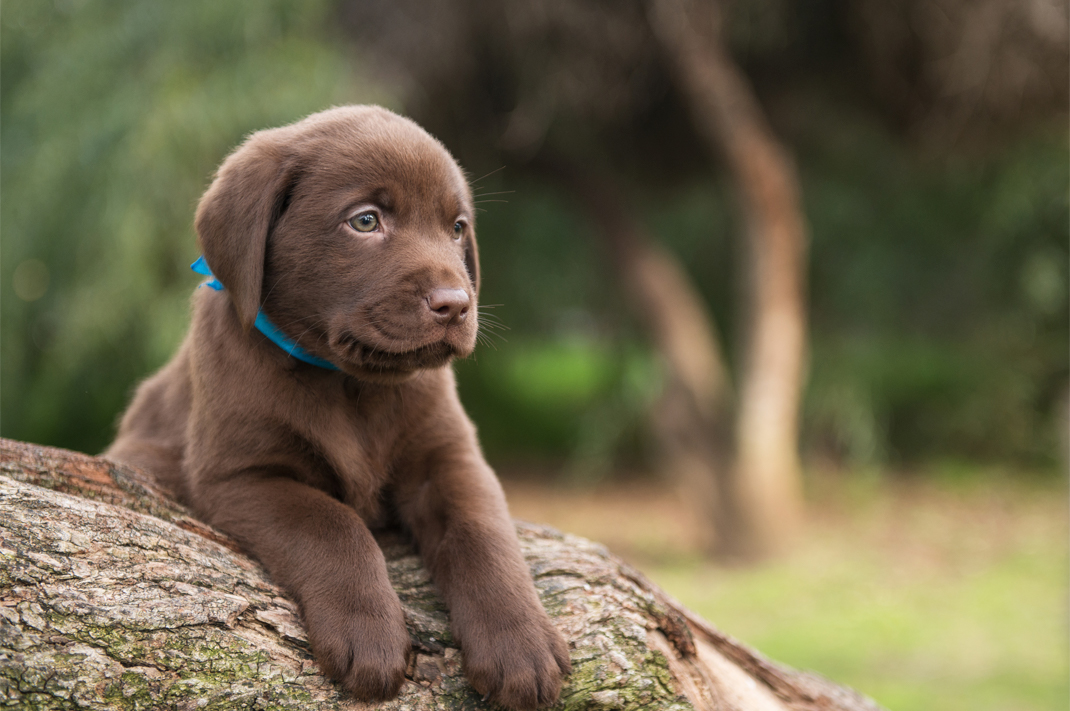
pixel 448 305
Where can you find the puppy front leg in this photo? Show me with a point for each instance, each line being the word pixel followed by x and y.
pixel 512 653
pixel 323 553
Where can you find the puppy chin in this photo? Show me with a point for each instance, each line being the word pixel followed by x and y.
pixel 461 344
pixel 386 367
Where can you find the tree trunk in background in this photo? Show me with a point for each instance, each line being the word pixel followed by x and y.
pixel 692 419
pixel 111 596
pixel 767 474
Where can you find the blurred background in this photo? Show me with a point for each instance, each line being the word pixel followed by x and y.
pixel 775 292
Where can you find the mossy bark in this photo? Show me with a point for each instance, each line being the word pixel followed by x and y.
pixel 113 597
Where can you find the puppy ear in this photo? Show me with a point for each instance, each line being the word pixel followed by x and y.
pixel 471 260
pixel 237 213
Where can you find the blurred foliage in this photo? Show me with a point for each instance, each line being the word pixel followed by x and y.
pixel 939 298
pixel 114 116
pixel 938 284
pixel 938 288
pixel 565 377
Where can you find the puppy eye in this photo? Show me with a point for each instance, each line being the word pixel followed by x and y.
pixel 365 222
pixel 458 229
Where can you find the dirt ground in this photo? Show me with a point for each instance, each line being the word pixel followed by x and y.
pixel 945 589
pixel 911 520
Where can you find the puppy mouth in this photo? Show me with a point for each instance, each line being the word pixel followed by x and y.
pixel 360 353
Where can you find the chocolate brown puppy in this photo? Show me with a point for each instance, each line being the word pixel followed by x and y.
pixel 313 399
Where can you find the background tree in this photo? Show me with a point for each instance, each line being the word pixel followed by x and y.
pixel 578 91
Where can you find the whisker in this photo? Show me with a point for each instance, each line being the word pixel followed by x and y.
pixel 315 322
pixel 488 175
pixel 264 299
pixel 483 340
pixel 295 345
pixel 492 319
pixel 487 341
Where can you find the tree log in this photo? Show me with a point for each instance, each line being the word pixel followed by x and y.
pixel 114 597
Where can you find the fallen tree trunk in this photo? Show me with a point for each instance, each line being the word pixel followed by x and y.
pixel 112 596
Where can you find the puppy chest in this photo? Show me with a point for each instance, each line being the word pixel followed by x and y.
pixel 361 447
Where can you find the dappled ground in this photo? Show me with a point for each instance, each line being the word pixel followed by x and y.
pixel 944 592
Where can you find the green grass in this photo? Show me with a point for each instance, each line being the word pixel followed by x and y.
pixel 923 596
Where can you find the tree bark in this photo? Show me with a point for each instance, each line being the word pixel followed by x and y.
pixel 112 596
pixel 767 474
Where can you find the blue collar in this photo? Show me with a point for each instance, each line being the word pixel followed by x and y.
pixel 264 324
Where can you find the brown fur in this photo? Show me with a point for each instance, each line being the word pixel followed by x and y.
pixel 299 463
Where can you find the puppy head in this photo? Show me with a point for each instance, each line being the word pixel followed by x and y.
pixel 353 230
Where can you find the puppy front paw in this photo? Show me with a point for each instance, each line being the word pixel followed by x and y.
pixel 518 666
pixel 366 652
